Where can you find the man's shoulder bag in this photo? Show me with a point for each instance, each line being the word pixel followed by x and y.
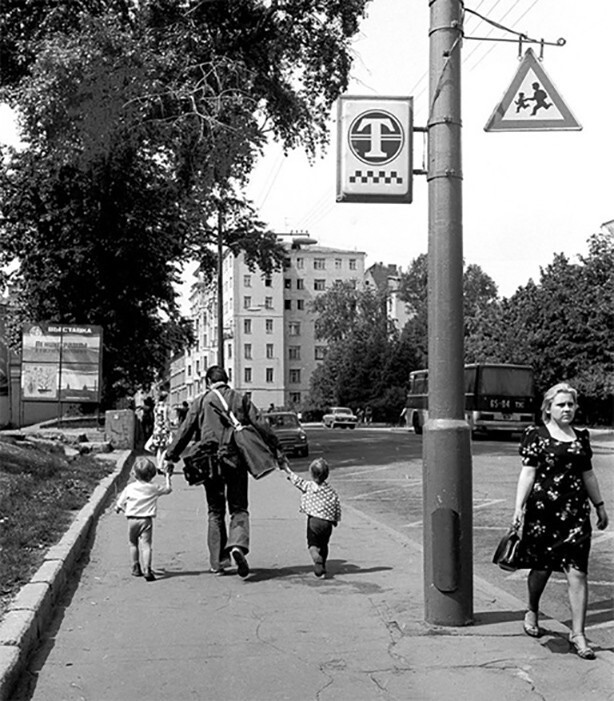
pixel 256 454
pixel 197 464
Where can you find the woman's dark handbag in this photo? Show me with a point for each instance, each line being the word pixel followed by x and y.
pixel 256 454
pixel 507 554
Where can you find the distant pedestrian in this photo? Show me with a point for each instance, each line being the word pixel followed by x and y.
pixel 555 488
pixel 144 416
pixel 368 415
pixel 321 504
pixel 162 434
pixel 182 412
pixel 139 502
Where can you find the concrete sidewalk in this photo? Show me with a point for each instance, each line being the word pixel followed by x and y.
pixel 282 633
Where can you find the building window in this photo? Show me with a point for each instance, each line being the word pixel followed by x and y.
pixel 295 397
pixel 269 374
pixel 287 304
pixel 189 371
pixel 198 367
pixel 247 325
pixel 352 263
pixel 294 328
pixel 247 351
pixel 247 374
pixel 338 263
pixel 300 284
pixel 229 351
pixel 294 352
pixel 319 285
pixel 319 263
pixel 247 281
pixel 295 376
pixel 205 344
pixel 230 374
pixel 247 302
pixel 268 325
pixel 300 263
pixel 268 282
pixel 320 352
pixel 268 303
pixel 269 350
pixel 287 283
pixel 300 304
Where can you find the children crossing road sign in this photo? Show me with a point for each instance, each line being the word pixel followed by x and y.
pixel 532 103
pixel 374 149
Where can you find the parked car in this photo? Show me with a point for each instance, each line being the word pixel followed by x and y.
pixel 288 429
pixel 340 416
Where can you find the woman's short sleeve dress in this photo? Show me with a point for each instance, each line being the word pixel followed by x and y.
pixel 161 436
pixel 557 528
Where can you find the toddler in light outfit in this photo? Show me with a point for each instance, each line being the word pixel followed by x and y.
pixel 321 504
pixel 139 502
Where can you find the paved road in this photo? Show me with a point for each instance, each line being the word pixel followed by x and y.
pixel 379 471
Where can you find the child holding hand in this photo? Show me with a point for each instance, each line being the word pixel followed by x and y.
pixel 321 504
pixel 139 502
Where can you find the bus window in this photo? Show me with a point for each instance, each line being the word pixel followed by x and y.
pixel 470 373
pixel 507 382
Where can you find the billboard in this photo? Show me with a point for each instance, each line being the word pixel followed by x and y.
pixel 61 362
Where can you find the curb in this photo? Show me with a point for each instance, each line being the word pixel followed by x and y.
pixel 29 614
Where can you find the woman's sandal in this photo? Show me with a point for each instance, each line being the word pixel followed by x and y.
pixel 531 629
pixel 583 651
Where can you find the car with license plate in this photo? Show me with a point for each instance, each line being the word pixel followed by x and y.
pixel 340 417
pixel 288 429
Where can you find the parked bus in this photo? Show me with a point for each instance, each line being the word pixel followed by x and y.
pixel 498 397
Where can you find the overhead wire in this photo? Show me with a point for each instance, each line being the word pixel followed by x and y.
pixel 324 203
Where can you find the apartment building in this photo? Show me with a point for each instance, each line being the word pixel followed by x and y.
pixel 269 349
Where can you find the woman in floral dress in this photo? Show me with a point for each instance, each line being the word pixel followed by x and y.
pixel 552 503
pixel 162 434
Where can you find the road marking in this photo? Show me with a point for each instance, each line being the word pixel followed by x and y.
pixel 600 536
pixel 373 491
pixel 490 502
pixel 370 470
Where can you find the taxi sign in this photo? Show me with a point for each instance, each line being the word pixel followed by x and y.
pixel 374 149
pixel 532 103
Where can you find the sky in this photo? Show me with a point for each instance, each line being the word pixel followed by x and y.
pixel 526 195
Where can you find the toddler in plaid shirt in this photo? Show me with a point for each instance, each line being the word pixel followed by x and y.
pixel 321 504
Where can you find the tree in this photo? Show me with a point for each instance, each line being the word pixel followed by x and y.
pixel 479 300
pixel 366 363
pixel 563 326
pixel 136 116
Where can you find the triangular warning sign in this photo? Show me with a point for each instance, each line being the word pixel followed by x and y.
pixel 532 103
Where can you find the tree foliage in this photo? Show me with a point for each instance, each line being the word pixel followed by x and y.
pixel 563 326
pixel 139 120
pixel 479 299
pixel 367 363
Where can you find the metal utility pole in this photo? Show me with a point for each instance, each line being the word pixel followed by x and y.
pixel 447 478
pixel 220 285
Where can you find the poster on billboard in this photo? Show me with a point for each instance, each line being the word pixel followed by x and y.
pixel 61 362
pixel 4 357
